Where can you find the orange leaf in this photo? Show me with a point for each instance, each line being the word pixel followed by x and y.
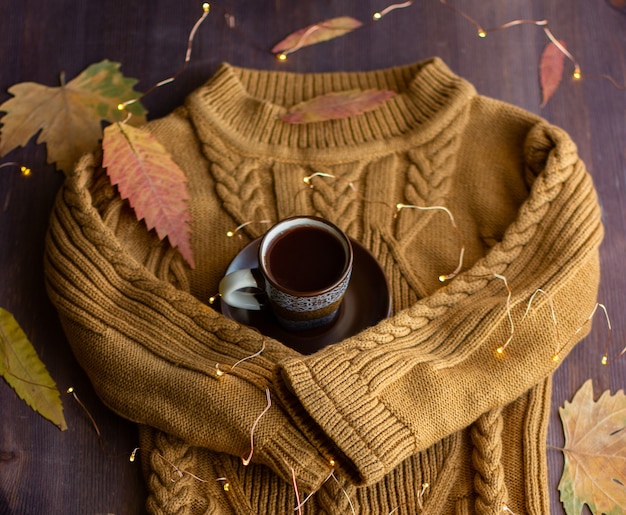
pixel 154 185
pixel 336 105
pixel 551 70
pixel 322 31
pixel 595 453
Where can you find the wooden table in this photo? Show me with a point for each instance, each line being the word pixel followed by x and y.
pixel 45 471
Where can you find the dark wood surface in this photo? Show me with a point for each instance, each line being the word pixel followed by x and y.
pixel 45 471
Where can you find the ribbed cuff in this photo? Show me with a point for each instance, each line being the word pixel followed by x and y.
pixel 358 450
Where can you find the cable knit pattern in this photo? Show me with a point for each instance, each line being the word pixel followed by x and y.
pixel 409 415
pixel 489 480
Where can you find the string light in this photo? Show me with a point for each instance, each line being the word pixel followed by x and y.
pixel 133 454
pixel 307 179
pixel 72 392
pixel 180 472
pixel 500 350
pixel 225 483
pixel 605 357
pixel 206 8
pixel 482 33
pixel 577 73
pixel 398 207
pixel 246 461
pixel 282 56
pixel 332 474
pixel 220 373
pixel 555 357
pixel 26 172
pixel 232 233
pixel 379 14
pixel 295 488
pixel 455 272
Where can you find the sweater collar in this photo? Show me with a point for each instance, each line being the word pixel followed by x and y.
pixel 243 107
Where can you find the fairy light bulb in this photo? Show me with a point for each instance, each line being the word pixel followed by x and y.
pixel 281 57
pixel 206 7
pixel 556 358
pixel 605 359
pixel 133 455
pixel 25 171
pixel 500 352
pixel 577 74
pixel 482 33
pixel 377 16
pixel 121 107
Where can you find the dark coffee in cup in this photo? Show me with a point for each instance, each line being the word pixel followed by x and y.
pixel 306 259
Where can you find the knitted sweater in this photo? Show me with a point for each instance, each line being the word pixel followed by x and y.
pixel 419 413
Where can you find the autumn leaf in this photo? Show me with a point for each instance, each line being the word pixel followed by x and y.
pixel 337 105
pixel 26 374
pixel 551 70
pixel 154 185
pixel 69 116
pixel 595 453
pixel 322 31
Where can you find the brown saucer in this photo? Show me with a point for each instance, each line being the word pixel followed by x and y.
pixel 366 302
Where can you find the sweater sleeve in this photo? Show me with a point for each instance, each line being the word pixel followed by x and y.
pixel 475 344
pixel 152 350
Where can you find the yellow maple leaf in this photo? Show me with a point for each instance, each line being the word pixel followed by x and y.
pixel 26 374
pixel 69 116
pixel 595 453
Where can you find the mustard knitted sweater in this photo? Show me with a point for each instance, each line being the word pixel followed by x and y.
pixel 417 414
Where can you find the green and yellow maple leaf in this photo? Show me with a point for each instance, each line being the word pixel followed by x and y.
pixel 155 186
pixel 26 374
pixel 69 116
pixel 595 453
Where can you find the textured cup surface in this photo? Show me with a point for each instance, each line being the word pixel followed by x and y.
pixel 306 262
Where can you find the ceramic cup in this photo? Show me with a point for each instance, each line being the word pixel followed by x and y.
pixel 305 263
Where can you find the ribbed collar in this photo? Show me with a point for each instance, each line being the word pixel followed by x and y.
pixel 243 107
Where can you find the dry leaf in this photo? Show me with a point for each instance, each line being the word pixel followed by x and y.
pixel 69 116
pixel 322 31
pixel 551 70
pixel 337 105
pixel 595 453
pixel 618 4
pixel 26 374
pixel 154 185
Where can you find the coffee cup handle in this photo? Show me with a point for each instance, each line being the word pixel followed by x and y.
pixel 231 285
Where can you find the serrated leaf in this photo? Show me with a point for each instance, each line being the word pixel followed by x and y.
pixel 26 374
pixel 69 116
pixel 333 106
pixel 551 70
pixel 155 186
pixel 316 33
pixel 595 453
